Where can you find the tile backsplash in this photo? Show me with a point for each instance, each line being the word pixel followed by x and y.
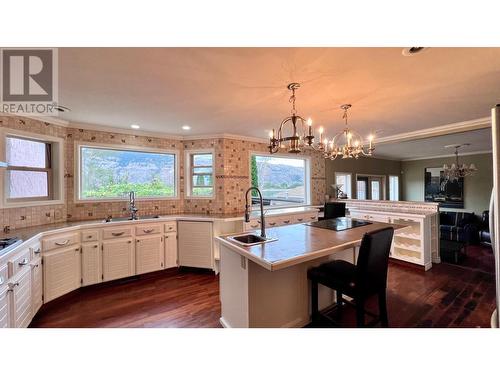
pixel 232 176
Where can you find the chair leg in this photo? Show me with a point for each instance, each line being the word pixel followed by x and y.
pixel 340 302
pixel 360 312
pixel 314 301
pixel 382 308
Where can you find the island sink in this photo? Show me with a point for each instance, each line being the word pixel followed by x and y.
pixel 250 239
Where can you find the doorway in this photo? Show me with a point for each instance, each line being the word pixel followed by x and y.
pixel 371 187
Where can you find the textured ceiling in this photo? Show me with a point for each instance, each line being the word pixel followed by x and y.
pixel 243 90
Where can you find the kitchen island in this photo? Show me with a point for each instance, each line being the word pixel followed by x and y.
pixel 266 285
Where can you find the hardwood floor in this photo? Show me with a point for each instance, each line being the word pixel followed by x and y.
pixel 445 296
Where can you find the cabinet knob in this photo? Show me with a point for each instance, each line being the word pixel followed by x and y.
pixel 23 262
pixel 65 242
pixel 95 246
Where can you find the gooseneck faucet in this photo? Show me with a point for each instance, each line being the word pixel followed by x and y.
pixel 248 207
pixel 131 206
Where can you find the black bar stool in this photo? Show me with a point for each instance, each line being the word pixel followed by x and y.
pixel 361 281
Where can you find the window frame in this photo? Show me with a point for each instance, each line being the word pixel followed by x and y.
pixel 55 174
pixel 307 177
pixel 348 175
pixel 397 192
pixel 383 185
pixel 188 172
pixel 117 147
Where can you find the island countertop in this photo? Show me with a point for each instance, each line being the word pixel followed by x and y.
pixel 301 243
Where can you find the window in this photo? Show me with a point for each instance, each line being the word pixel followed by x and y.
pixel 361 189
pixel 394 188
pixel 375 192
pixel 344 182
pixel 110 173
pixel 200 183
pixel 29 170
pixel 282 180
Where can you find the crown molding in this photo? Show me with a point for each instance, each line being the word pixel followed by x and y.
pixel 449 155
pixel 112 129
pixel 235 137
pixel 49 119
pixel 457 127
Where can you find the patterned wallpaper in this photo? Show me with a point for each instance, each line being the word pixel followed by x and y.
pixel 231 176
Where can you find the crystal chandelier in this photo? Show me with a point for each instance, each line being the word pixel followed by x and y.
pixel 457 170
pixel 299 138
pixel 347 144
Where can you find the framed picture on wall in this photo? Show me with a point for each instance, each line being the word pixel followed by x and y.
pixel 448 194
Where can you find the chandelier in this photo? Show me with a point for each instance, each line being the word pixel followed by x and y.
pixel 347 144
pixel 457 170
pixel 299 138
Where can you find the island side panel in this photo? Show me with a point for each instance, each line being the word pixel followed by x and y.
pixel 233 283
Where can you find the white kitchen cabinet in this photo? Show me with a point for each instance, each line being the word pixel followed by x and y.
pixel 36 285
pixel 195 244
pixel 149 253
pixel 170 250
pixel 118 259
pixel 61 272
pixel 21 310
pixel 91 263
pixel 4 305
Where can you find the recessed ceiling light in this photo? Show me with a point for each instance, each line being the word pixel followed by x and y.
pixel 61 108
pixel 186 127
pixel 135 126
pixel 411 51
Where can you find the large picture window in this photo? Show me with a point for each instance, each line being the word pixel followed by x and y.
pixel 110 173
pixel 29 169
pixel 283 181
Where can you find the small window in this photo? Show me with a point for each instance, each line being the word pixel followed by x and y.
pixel 201 178
pixel 394 188
pixel 343 181
pixel 29 169
pixel 110 173
pixel 283 181
pixel 361 189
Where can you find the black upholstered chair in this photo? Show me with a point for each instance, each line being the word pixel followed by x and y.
pixel 367 278
pixel 333 210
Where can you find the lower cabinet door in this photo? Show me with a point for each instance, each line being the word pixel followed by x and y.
pixel 91 264
pixel 4 307
pixel 21 310
pixel 149 254
pixel 170 250
pixel 118 259
pixel 61 272
pixel 36 285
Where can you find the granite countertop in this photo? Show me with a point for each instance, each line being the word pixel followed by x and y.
pixel 300 243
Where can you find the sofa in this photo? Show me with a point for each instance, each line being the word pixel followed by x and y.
pixel 459 227
pixel 484 229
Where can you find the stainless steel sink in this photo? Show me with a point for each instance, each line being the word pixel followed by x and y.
pixel 250 239
pixel 115 219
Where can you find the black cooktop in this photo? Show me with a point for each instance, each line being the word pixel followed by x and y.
pixel 340 223
pixel 6 242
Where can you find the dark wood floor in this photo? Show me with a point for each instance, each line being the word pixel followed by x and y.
pixel 445 296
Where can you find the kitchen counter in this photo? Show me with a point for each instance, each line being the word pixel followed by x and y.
pixel 28 233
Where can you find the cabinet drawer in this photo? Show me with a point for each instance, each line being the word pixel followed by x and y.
pixel 254 224
pixel 117 232
pixel 61 240
pixel 171 226
pixel 90 235
pixel 19 262
pixel 141 230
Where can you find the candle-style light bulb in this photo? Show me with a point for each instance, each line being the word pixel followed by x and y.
pixel 271 134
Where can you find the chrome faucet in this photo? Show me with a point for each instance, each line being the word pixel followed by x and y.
pixel 131 206
pixel 248 207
